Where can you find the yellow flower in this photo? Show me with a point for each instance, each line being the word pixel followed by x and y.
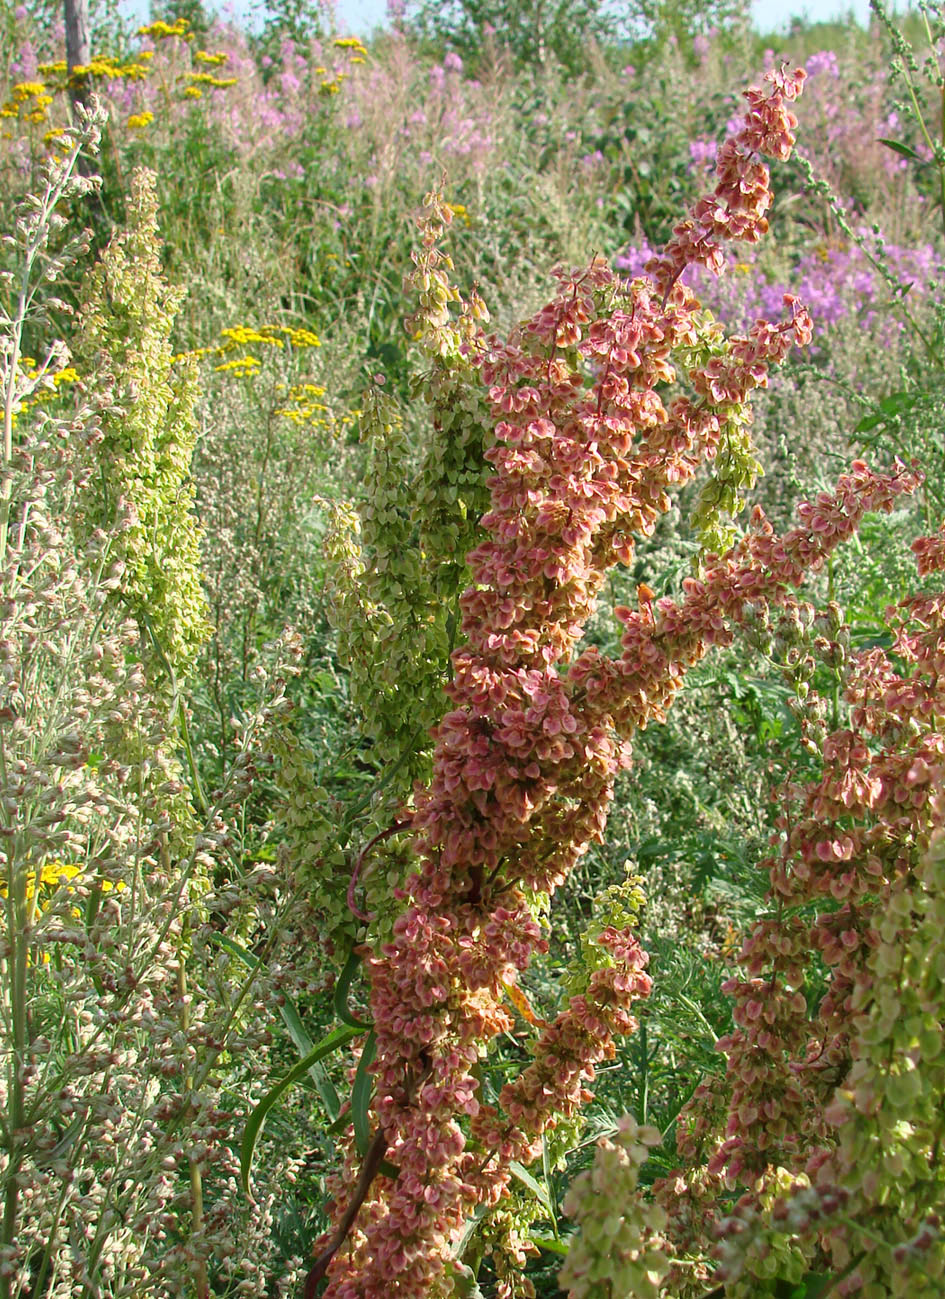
pixel 208 79
pixel 349 43
pixel 301 337
pixel 241 335
pixel 53 874
pixel 138 121
pixel 211 60
pixel 193 92
pixel 239 365
pixel 161 31
pixel 459 210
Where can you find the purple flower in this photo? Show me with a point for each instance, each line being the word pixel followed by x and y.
pixel 825 61
pixel 703 152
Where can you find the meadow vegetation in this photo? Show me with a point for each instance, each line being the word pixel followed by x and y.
pixel 472 655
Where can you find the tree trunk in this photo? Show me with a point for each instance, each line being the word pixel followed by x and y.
pixel 78 47
pixel 79 55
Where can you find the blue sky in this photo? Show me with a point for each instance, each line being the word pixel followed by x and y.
pixel 360 16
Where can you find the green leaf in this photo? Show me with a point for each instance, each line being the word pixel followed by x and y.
pixel 897 403
pixel 549 1243
pixel 472 1222
pixel 540 1192
pixel 870 422
pixel 361 1097
pixel 816 1284
pixel 342 986
pixel 338 1037
pixel 293 1022
pixel 549 1187
pixel 904 149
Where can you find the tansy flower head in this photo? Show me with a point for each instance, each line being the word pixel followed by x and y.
pixel 160 31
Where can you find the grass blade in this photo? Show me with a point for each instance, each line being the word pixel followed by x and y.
pixel 338 1037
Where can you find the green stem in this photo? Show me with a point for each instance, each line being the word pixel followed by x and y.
pixel 201 1280
pixel 16 909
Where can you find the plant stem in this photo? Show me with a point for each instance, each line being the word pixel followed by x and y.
pixel 201 1281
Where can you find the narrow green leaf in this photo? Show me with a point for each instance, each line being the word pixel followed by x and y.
pixel 338 1037
pixel 361 1097
pixel 549 1185
pixel 549 1243
pixel 904 149
pixel 472 1222
pixel 540 1192
pixel 868 423
pixel 342 985
pixel 293 1022
pixel 897 402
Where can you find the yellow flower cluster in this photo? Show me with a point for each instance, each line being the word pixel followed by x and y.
pixel 28 366
pixel 208 79
pixel 29 101
pixel 358 54
pixel 244 335
pixel 301 337
pixel 306 407
pixel 303 407
pixel 459 210
pixel 110 69
pixel 161 31
pixel 47 879
pixel 55 873
pixel 240 365
pixel 240 336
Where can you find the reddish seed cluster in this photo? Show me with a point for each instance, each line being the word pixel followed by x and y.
pixel 526 759
pixel 565 1055
pixel 851 842
pixel 736 209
